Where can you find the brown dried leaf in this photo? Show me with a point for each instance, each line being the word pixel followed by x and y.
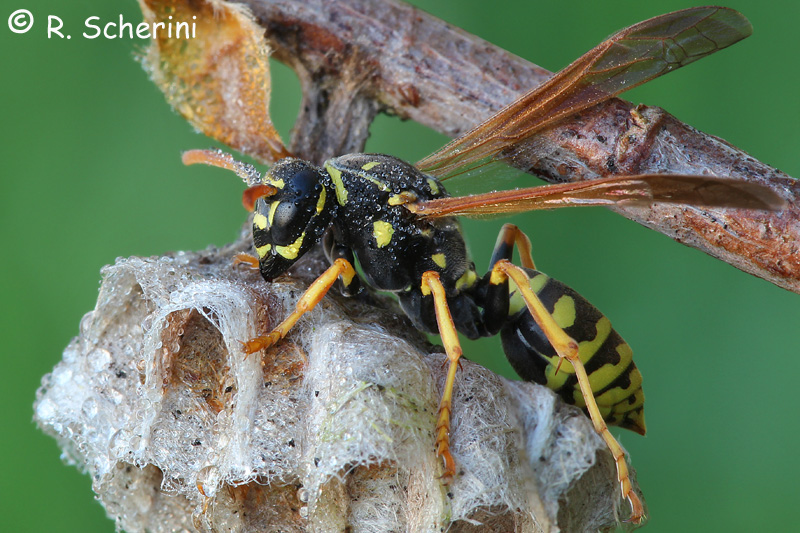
pixel 219 79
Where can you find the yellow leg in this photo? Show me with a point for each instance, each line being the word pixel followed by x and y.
pixel 246 259
pixel 511 235
pixel 567 349
pixel 307 302
pixel 447 329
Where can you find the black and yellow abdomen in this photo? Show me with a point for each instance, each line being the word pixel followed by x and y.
pixel 616 382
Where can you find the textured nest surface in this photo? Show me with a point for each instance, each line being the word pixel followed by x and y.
pixel 331 430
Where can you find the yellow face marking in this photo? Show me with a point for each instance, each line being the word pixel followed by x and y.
pixel 272 207
pixel 291 251
pixel 466 280
pixel 440 260
pixel 260 221
pixel 370 165
pixel 262 251
pixel 338 184
pixel 382 231
pixel 321 201
pixel 433 186
pixel 564 312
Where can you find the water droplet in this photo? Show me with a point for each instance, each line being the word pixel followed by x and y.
pixel 115 396
pixel 99 359
pixel 136 443
pixel 208 480
pixel 118 441
pixel 46 409
pixel 86 323
pixel 63 378
pixel 90 408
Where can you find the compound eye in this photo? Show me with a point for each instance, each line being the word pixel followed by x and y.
pixel 296 207
pixel 305 183
pixel 285 214
pixel 287 224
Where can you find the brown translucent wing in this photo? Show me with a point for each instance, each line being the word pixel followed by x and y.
pixel 639 190
pixel 628 58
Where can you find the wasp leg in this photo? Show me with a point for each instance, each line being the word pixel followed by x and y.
pixel 567 349
pixel 504 247
pixel 431 284
pixel 246 259
pixel 495 306
pixel 333 251
pixel 307 302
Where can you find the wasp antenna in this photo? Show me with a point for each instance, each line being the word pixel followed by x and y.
pixel 218 158
pixel 253 193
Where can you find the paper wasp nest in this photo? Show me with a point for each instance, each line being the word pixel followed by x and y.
pixel 331 430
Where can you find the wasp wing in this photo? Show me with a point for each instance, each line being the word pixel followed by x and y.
pixel 638 190
pixel 628 58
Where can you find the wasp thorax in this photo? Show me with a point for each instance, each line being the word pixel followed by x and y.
pixel 291 221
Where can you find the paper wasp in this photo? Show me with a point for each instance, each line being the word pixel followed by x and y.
pixel 398 223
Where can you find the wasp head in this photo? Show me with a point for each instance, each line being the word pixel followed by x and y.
pixel 290 220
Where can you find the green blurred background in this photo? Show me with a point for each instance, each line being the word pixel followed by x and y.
pixel 91 171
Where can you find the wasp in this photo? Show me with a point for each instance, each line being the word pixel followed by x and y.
pixel 397 221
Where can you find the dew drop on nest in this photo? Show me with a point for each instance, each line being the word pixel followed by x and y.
pixel 46 409
pixel 63 378
pixel 86 323
pixel 89 408
pixel 303 495
pixel 99 359
pixel 115 396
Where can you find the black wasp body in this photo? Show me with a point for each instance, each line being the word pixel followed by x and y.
pixel 397 222
pixel 358 203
